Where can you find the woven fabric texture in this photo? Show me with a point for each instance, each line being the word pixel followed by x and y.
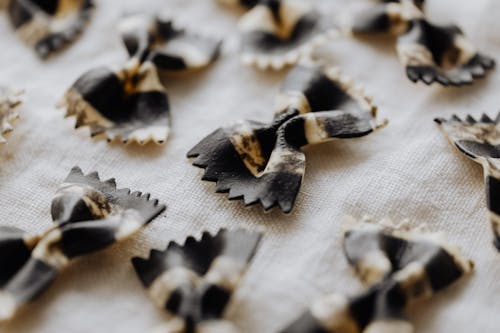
pixel 407 171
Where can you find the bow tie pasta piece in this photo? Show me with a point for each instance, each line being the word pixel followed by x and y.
pixel 89 215
pixel 131 104
pixel 429 52
pixel 194 282
pixel 398 268
pixel 278 33
pixel 479 140
pixel 49 25
pixel 263 163
pixel 9 102
pixel 442 54
pixel 170 48
pixel 390 17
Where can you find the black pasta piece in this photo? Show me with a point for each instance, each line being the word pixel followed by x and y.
pixel 398 269
pixel 9 103
pixel 429 52
pixel 49 25
pixel 89 215
pixel 131 104
pixel 278 33
pixel 479 141
pixel 194 282
pixel 263 163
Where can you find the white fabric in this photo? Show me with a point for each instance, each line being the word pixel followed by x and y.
pixel 405 171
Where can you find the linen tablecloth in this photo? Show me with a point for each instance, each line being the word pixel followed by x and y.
pixel 407 171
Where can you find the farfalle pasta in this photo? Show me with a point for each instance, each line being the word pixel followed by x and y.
pixel 429 52
pixel 398 268
pixel 88 215
pixel 278 33
pixel 131 104
pixel 194 282
pixel 479 140
pixel 9 103
pixel 263 162
pixel 49 25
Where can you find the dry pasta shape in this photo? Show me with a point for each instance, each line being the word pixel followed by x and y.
pixel 479 140
pixel 194 282
pixel 167 46
pixel 398 269
pixel 9 103
pixel 429 52
pixel 49 25
pixel 278 33
pixel 89 215
pixel 131 104
pixel 263 162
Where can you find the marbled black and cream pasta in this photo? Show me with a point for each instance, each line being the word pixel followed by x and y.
pixel 398 268
pixel 88 215
pixel 429 52
pixel 479 140
pixel 194 282
pixel 49 25
pixel 278 33
pixel 131 104
pixel 263 162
